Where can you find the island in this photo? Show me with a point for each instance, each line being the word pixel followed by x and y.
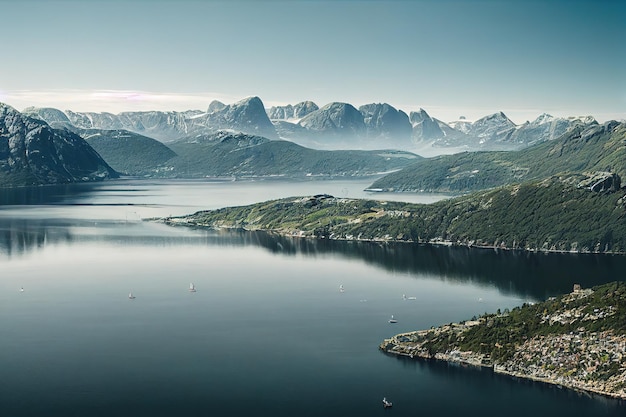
pixel 576 341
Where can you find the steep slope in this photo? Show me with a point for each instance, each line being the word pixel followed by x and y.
pixel 546 127
pixel 385 124
pixel 424 127
pixel 584 148
pixel 215 105
pixel 498 132
pixel 163 126
pixel 335 126
pixel 246 116
pixel 289 112
pixel 32 153
pixel 428 130
pixel 341 126
pixel 49 115
pixel 335 119
pixel 492 128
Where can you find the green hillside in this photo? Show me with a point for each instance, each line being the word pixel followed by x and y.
pixel 554 214
pixel 237 154
pixel 595 148
pixel 127 152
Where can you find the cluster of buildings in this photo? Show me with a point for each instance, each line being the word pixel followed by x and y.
pixel 590 361
pixel 593 361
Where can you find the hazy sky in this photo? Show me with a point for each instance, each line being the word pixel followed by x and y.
pixel 452 58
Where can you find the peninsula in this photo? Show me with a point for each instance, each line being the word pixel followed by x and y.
pixel 576 341
pixel 578 213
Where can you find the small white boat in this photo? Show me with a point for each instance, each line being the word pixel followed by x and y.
pixel 392 320
pixel 131 296
pixel 192 288
pixel 341 289
pixel 404 297
pixel 387 403
pixel 22 289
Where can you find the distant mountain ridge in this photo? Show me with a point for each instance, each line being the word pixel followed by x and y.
pixel 230 154
pixel 246 116
pixel 583 148
pixel 221 153
pixel 334 126
pixel 289 112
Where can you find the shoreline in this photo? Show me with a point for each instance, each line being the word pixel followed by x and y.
pixel 435 242
pixel 397 344
pixel 444 358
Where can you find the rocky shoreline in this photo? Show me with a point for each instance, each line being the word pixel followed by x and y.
pixel 185 221
pixel 412 345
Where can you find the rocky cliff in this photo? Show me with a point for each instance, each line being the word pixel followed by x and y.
pixel 33 153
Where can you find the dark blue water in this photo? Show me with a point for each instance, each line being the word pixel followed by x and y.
pixel 267 333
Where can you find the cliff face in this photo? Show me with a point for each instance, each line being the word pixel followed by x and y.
pixel 32 153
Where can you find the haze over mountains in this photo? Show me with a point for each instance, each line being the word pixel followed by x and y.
pixel 36 153
pixel 595 151
pixel 304 139
pixel 333 126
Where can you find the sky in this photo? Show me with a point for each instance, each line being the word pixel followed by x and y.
pixel 451 58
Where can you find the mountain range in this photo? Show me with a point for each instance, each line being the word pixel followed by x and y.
pixel 36 153
pixel 585 148
pixel 334 126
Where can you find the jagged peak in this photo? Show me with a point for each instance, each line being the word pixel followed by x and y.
pixel 419 116
pixel 498 116
pixel 378 107
pixel 215 105
pixel 306 103
pixel 584 119
pixel 5 108
pixel 250 101
pixel 337 104
pixel 543 118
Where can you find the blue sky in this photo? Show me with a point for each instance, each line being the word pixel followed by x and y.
pixel 452 58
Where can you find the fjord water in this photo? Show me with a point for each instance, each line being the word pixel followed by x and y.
pixel 268 333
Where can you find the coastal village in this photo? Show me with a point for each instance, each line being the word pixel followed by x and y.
pixel 580 358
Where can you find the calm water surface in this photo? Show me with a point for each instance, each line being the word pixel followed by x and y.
pixel 268 332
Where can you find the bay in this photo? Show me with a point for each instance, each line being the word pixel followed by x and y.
pixel 268 332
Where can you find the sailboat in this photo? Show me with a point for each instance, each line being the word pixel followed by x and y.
pixel 131 296
pixel 192 288
pixel 392 320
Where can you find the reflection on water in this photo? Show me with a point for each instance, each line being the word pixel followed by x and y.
pixel 111 212
pixel 39 195
pixel 538 275
pixel 267 333
pixel 528 274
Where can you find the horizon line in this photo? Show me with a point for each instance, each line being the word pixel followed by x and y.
pixel 124 101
